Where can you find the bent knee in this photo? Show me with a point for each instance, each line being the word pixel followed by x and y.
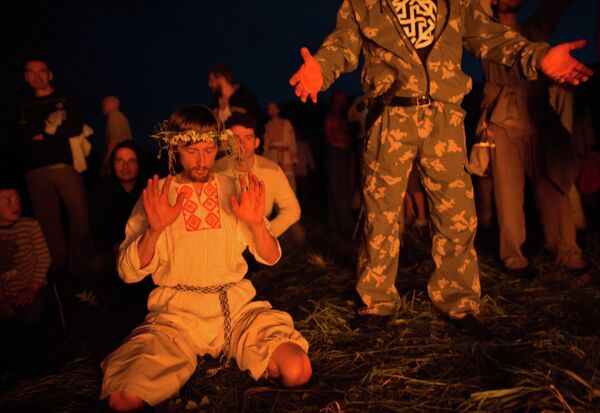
pixel 122 401
pixel 297 370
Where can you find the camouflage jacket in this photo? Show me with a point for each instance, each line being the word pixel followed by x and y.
pixel 392 65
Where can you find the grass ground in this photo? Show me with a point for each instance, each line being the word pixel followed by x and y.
pixel 545 355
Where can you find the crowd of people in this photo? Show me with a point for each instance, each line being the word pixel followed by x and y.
pixel 238 179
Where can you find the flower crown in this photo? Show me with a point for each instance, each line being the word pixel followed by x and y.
pixel 168 140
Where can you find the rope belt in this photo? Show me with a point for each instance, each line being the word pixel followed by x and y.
pixel 222 291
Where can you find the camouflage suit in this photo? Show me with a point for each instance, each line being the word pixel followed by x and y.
pixel 433 134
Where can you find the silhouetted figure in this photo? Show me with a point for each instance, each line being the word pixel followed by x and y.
pixel 339 169
pixel 303 170
pixel 280 143
pixel 230 97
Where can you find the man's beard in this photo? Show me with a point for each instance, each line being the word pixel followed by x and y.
pixel 197 176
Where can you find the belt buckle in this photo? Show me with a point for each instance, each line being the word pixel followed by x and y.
pixel 423 101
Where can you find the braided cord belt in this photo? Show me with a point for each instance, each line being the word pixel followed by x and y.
pixel 222 291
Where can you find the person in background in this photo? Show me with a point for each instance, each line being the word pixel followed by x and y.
pixel 117 130
pixel 24 262
pixel 529 141
pixel 113 197
pixel 339 166
pixel 45 126
pixel 280 143
pixel 230 97
pixel 303 169
pixel 282 208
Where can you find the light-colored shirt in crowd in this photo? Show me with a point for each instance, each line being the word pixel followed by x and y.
pixel 277 191
pixel 117 128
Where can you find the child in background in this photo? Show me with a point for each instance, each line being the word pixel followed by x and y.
pixel 24 262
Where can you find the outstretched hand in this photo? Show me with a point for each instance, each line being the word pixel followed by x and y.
pixel 159 212
pixel 561 67
pixel 308 80
pixel 251 207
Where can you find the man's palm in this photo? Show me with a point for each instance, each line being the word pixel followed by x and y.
pixel 308 80
pixel 159 212
pixel 251 207
pixel 560 66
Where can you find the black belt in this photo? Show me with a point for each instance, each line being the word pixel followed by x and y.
pixel 376 109
pixel 421 101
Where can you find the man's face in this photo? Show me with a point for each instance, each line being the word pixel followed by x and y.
pixel 247 139
pixel 38 75
pixel 10 206
pixel 197 160
pixel 126 165
pixel 214 84
pixel 507 6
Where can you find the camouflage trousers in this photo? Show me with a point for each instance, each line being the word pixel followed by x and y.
pixel 434 136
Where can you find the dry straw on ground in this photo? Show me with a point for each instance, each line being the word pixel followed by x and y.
pixel 545 355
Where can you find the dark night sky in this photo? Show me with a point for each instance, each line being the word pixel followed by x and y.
pixel 156 54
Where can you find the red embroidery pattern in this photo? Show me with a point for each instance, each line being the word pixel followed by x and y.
pixel 204 216
pixel 212 218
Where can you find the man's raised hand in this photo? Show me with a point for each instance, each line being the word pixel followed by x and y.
pixel 561 67
pixel 251 207
pixel 308 80
pixel 159 212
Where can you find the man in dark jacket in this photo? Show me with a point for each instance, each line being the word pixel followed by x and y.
pixel 45 125
pixel 230 97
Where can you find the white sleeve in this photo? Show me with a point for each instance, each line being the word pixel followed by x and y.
pixel 128 262
pixel 248 239
pixel 289 207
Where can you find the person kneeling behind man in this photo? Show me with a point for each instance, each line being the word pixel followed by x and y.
pixel 189 232
pixel 281 205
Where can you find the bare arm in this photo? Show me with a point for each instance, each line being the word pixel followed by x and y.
pixel 289 207
pixel 251 210
pixel 266 244
pixel 146 246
